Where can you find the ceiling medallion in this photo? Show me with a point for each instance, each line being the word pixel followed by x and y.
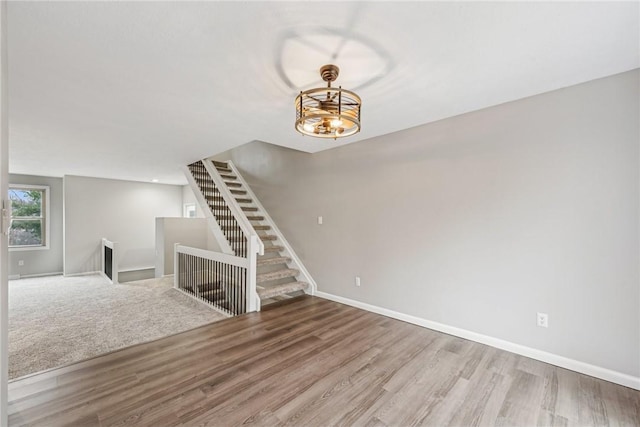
pixel 328 112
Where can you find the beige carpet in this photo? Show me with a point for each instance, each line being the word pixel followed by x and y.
pixel 54 321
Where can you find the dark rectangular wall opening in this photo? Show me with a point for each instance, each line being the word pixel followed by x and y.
pixel 108 256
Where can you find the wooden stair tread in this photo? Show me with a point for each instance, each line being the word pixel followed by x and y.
pixel 274 260
pixel 200 176
pixel 285 288
pixel 263 238
pixel 278 274
pixel 255 227
pixel 269 281
pixel 220 198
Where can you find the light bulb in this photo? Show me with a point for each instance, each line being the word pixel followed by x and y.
pixel 309 127
pixel 336 123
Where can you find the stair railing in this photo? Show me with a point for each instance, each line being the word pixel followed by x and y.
pixel 313 287
pixel 230 225
pixel 233 205
pixel 204 205
pixel 215 278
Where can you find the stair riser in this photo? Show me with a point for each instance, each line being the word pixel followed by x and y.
pixel 277 272
pixel 280 274
pixel 283 289
pixel 273 261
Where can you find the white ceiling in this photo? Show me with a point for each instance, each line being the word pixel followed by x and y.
pixel 133 90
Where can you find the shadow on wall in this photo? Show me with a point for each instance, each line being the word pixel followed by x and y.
pixel 301 52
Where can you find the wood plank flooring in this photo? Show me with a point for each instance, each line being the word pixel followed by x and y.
pixel 313 362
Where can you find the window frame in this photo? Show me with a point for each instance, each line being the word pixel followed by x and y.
pixel 185 210
pixel 45 211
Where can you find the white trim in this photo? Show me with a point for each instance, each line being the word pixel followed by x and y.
pixel 176 266
pixel 47 220
pixel 86 273
pixel 114 260
pixel 28 276
pixel 129 270
pixel 4 235
pixel 28 248
pixel 185 210
pixel 253 300
pixel 543 356
pixel 214 256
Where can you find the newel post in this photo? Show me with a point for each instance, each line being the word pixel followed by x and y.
pixel 252 256
pixel 176 266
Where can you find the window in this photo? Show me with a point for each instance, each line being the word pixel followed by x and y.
pixel 29 217
pixel 189 210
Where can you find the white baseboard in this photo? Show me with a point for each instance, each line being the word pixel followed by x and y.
pixel 543 356
pixel 29 276
pixel 90 273
pixel 55 273
pixel 86 273
pixel 129 270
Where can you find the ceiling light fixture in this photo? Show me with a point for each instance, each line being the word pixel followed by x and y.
pixel 328 112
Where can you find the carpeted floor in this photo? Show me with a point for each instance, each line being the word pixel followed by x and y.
pixel 54 321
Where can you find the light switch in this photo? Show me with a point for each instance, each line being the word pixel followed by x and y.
pixel 319 220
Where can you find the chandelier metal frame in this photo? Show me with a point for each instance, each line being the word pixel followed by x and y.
pixel 328 112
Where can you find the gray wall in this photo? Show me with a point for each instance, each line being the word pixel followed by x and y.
pixel 189 197
pixel 121 211
pixel 193 232
pixel 41 261
pixel 481 220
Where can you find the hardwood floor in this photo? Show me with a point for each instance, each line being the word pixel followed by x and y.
pixel 312 362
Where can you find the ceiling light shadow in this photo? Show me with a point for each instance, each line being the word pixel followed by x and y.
pixel 301 52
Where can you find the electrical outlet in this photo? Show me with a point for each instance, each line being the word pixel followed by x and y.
pixel 319 220
pixel 543 320
pixel 21 263
pixel 357 280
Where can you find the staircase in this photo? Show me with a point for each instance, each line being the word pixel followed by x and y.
pixel 279 273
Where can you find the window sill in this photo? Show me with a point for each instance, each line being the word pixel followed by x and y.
pixel 27 248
